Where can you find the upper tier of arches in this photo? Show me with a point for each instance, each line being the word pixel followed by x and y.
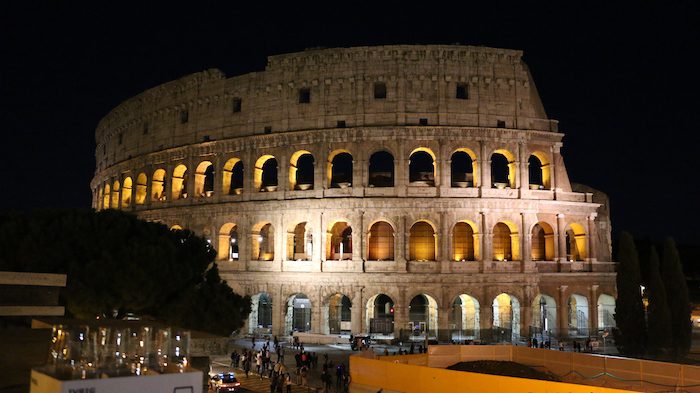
pixel 399 85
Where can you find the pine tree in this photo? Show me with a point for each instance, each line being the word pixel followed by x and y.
pixel 659 314
pixel 678 300
pixel 629 310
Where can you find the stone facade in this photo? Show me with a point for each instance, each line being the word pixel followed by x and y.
pixel 428 174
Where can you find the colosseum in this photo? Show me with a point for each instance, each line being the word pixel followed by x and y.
pixel 400 191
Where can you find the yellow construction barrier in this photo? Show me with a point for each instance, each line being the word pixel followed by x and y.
pixel 581 373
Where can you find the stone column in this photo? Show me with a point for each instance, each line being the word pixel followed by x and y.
pixel 278 309
pixel 592 238
pixel 525 240
pixel 400 312
pixel 561 231
pixel 485 166
pixel 357 239
pixel 358 311
pixel 523 173
pixel 593 309
pixel 563 311
pixel 316 312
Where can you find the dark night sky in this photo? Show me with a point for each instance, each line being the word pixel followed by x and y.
pixel 622 80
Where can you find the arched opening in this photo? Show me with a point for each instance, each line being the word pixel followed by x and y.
pixel 380 242
pixel 204 180
pixel 106 196
pixel 299 243
pixel 265 177
pixel 301 171
pixel 576 243
pixel 298 317
pixel 339 312
pixel 260 320
pixel 381 169
pixel 339 246
pixel 422 241
pixel 539 171
pixel 506 317
pixel 606 312
pixel 233 177
pixel 465 318
pixel 542 242
pixel 126 193
pixel 463 241
pixel 179 190
pixel 462 169
pixel 115 195
pixel 340 169
pixel 544 303
pixel 263 245
pixel 176 227
pixel 505 242
pixel 158 186
pixel 421 168
pixel 423 316
pixel 100 195
pixel 141 186
pixel 380 315
pixel 228 242
pixel 502 169
pixel 578 315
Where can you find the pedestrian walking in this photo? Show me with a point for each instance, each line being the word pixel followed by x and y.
pixel 288 382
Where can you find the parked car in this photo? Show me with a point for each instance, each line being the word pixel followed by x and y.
pixel 224 383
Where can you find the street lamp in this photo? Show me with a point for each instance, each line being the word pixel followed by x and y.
pixel 543 314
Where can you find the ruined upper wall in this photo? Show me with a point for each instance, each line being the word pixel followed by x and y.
pixel 421 83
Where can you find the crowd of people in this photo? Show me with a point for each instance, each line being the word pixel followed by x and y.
pixel 261 363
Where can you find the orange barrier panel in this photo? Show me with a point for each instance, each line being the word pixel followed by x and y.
pixel 372 374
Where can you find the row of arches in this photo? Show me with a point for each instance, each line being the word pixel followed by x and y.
pixel 423 312
pixel 422 242
pixel 422 172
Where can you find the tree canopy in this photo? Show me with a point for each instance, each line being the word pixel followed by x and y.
pixel 630 335
pixel 118 264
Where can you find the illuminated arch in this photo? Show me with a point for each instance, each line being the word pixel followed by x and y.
pixel 422 242
pixel 506 315
pixel 465 321
pixel 542 242
pixel 158 185
pixel 179 182
pixel 464 241
pixel 232 179
pixel 550 308
pixel 176 227
pixel 263 242
pixel 204 180
pixel 464 168
pixel 265 173
pixel 606 311
pixel 380 239
pixel 340 169
pixel 506 244
pixel 339 241
pixel 301 171
pixel 126 193
pixel 141 188
pixel 576 243
pixel 299 242
pixel 115 195
pixel 539 169
pixel 229 242
pixel 421 167
pixel 260 318
pixel 298 315
pixel 337 314
pixel 381 169
pixel 503 169
pixel 379 314
pixel 423 315
pixel 578 315
pixel 106 196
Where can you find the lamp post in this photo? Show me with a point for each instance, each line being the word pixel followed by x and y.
pixel 543 315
